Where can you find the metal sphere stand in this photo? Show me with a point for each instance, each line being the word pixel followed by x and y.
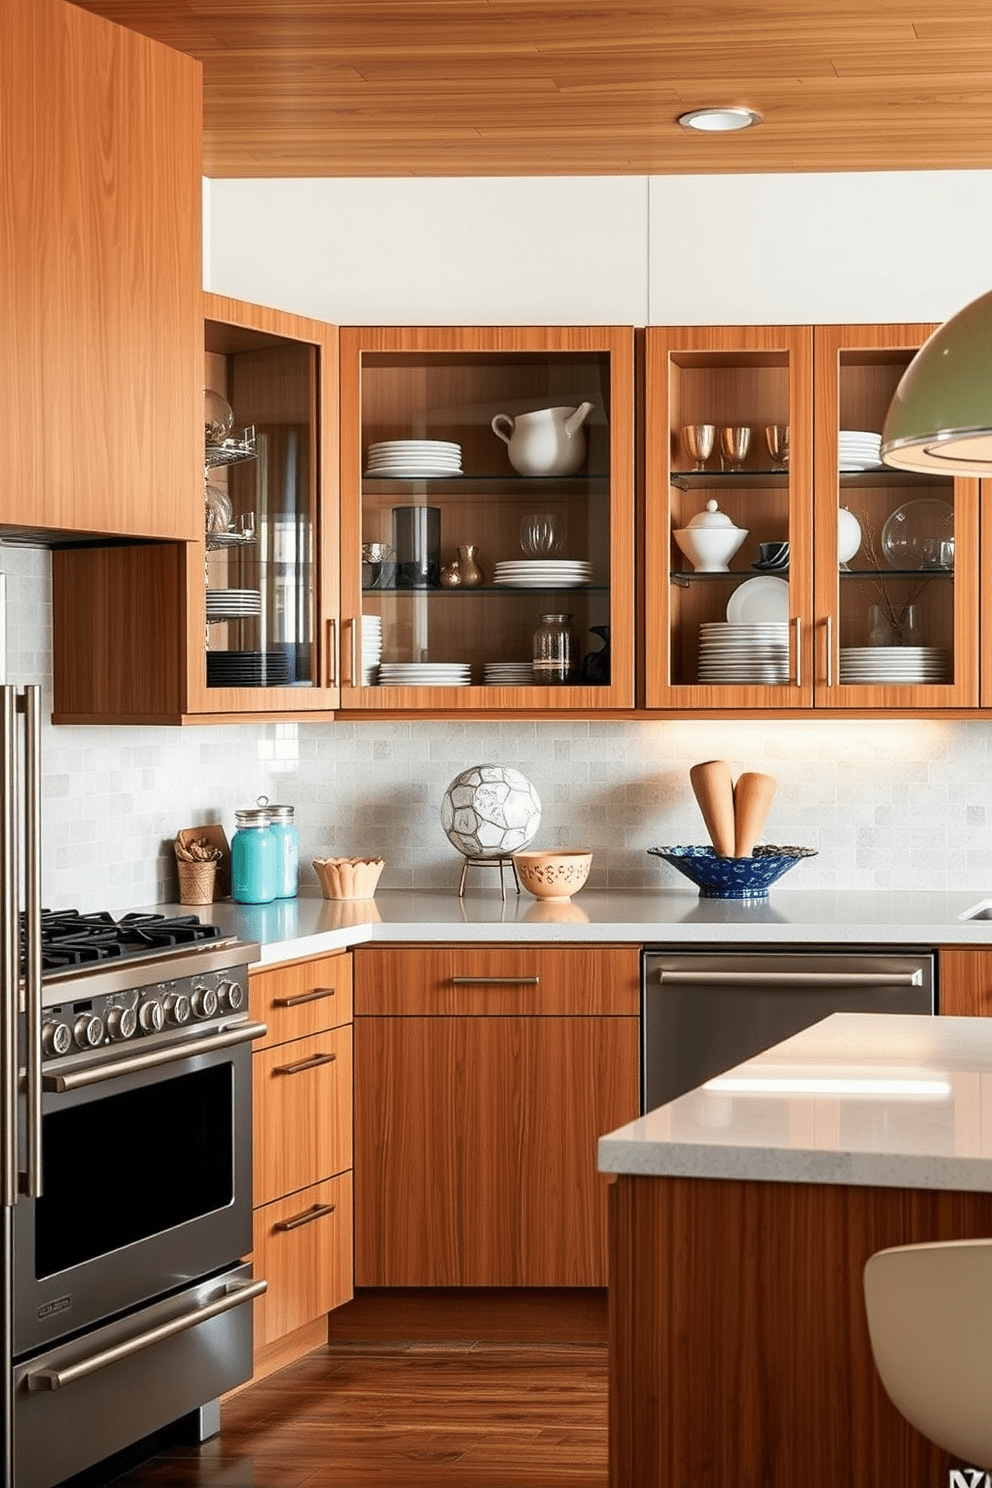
pixel 496 862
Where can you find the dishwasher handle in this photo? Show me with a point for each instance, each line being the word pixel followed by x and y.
pixel 849 979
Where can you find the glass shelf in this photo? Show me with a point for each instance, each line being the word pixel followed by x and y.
pixel 456 592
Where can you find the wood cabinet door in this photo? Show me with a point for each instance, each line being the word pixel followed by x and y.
pixel 100 272
pixel 475 1157
pixel 301 1114
pixel 303 1249
pixel 964 982
pixel 303 998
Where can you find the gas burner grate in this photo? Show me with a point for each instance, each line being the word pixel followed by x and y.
pixel 69 938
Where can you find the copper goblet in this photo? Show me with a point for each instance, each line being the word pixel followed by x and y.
pixel 699 440
pixel 777 440
pixel 735 441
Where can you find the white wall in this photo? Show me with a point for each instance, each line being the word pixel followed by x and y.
pixel 888 803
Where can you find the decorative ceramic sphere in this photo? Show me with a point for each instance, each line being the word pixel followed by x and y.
pixel 490 811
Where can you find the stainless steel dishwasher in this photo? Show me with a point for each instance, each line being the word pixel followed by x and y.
pixel 703 1012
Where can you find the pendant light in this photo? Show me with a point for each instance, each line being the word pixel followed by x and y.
pixel 940 418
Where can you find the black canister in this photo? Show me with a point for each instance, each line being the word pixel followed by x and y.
pixel 417 541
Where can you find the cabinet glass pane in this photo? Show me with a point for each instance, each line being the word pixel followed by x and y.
pixel 464 547
pixel 260 567
pixel 729 560
pixel 896 579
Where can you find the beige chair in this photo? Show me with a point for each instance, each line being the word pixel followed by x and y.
pixel 930 1321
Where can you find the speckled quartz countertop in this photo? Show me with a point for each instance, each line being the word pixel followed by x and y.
pixel 884 1100
pixel 310 925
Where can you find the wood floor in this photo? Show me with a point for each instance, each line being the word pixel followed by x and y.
pixel 463 1415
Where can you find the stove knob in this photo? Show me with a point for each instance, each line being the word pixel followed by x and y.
pixel 88 1031
pixel 150 1016
pixel 56 1038
pixel 122 1022
pixel 204 1002
pixel 177 1008
pixel 232 995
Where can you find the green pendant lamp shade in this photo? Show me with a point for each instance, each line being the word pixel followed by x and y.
pixel 940 419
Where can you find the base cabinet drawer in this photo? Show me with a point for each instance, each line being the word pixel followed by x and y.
pixel 303 1247
pixel 301 1113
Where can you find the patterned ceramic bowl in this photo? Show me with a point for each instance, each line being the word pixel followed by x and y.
pixel 733 878
pixel 553 876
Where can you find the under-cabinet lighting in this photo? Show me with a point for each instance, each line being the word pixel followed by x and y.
pixel 719 120
pixel 797 1085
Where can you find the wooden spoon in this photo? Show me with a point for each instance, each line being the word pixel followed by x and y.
pixel 752 801
pixel 713 786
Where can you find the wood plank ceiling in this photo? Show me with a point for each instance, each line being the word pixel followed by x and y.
pixel 585 87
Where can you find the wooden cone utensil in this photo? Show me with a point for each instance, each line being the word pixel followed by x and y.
pixel 713 786
pixel 752 801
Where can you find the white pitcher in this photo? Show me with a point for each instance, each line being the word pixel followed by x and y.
pixel 549 441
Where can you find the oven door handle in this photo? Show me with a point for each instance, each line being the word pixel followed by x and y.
pixel 136 1063
pixel 805 979
pixel 236 1294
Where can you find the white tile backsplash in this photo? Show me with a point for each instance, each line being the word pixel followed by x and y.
pixel 888 803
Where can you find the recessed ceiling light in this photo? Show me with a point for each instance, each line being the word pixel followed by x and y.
pixel 719 120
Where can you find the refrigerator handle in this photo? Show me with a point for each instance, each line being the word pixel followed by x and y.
pixel 31 705
pixel 8 949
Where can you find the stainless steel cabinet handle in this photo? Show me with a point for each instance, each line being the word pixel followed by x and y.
pixel 317 1212
pixel 828 630
pixel 78 1079
pixel 332 653
pixel 798 669
pixel 236 1295
pixel 314 996
pixel 304 1064
pixel 496 981
pixel 855 979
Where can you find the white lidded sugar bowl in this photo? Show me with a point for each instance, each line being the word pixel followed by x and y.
pixel 710 540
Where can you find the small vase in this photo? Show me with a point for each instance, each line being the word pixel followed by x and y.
pixel 471 573
pixel 451 576
pixel 879 629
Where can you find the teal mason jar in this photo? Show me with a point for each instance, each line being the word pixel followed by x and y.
pixel 287 848
pixel 254 858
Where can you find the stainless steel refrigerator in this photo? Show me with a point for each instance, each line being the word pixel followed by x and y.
pixel 20 990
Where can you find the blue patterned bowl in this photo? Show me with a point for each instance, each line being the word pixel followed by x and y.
pixel 733 878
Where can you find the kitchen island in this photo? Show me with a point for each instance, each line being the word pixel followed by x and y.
pixel 741 1218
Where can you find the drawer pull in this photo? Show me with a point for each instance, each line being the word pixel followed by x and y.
pixel 314 996
pixel 304 1064
pixel 495 981
pixel 307 1217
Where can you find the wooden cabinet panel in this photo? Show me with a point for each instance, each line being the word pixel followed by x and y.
pixel 475 1158
pixel 303 1247
pixel 964 985
pixel 302 1126
pixel 301 999
pixel 497 981
pixel 100 268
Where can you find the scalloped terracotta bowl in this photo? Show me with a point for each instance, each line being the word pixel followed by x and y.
pixel 553 876
pixel 348 878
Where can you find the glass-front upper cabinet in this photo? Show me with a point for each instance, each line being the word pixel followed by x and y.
pixel 728 517
pixel 487 519
pixel 270 512
pixel 896 554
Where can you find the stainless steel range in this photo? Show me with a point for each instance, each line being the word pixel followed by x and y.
pixel 125 1080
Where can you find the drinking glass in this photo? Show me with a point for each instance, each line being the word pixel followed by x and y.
pixel 735 441
pixel 540 535
pixel 777 440
pixel 699 440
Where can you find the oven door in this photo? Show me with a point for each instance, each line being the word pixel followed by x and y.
pixel 146 1187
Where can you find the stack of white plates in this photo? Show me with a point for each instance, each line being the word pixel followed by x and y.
pixel 233 604
pixel 868 665
pixel 859 449
pixel 734 654
pixel 508 674
pixel 425 674
pixel 543 573
pixel 406 459
pixel 371 649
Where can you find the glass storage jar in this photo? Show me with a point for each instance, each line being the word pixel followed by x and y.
pixel 287 838
pixel 553 657
pixel 254 858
